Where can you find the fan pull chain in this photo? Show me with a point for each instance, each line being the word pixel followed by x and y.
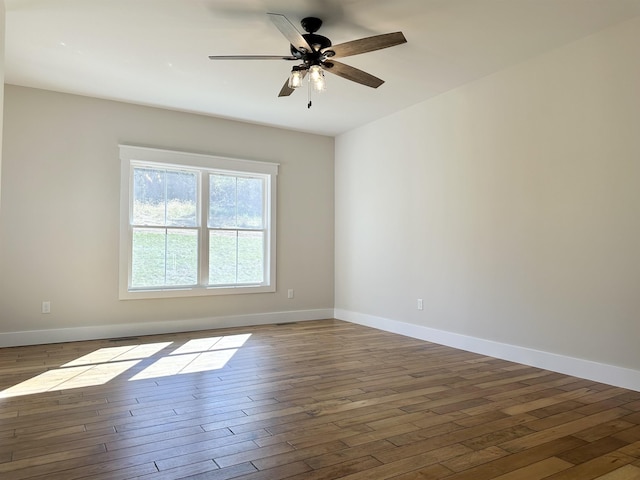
pixel 309 94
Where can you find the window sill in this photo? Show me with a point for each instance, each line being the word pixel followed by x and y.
pixel 193 292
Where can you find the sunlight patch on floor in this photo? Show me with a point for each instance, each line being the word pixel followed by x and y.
pixel 105 364
pixel 198 355
pixel 66 378
pixel 187 363
pixel 115 354
pixel 212 343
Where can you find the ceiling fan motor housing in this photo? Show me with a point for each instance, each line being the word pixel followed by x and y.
pixel 311 24
pixel 315 41
pixel 318 42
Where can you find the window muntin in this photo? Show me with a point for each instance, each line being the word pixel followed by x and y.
pixel 193 228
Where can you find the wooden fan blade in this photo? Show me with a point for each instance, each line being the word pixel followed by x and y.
pixel 351 73
pixel 290 32
pixel 368 44
pixel 252 57
pixel 286 90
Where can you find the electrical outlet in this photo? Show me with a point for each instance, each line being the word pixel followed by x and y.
pixel 420 304
pixel 46 306
pixel 290 293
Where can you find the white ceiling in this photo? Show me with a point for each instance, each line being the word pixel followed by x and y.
pixel 154 52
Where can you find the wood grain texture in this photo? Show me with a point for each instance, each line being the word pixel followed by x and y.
pixel 311 400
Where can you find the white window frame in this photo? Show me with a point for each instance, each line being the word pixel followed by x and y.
pixel 131 156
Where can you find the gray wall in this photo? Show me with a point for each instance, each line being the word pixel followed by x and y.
pixel 59 222
pixel 510 205
pixel 2 35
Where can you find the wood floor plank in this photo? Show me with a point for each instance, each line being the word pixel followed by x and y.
pixel 563 430
pixel 282 471
pixel 538 470
pixel 340 470
pixel 594 468
pixel 430 472
pixel 310 400
pixel 518 460
pixel 418 466
pixel 474 458
pixel 233 471
pixel 628 472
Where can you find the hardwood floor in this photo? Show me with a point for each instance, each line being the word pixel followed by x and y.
pixel 313 400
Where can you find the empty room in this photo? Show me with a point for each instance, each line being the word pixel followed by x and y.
pixel 320 239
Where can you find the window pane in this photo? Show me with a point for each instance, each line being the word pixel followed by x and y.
pixel 148 258
pixel 222 201
pixel 148 196
pixel 222 257
pixel 250 200
pixel 164 258
pixel 164 197
pixel 182 257
pixel 181 198
pixel 250 257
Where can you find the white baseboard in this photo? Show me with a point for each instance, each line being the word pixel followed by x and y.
pixel 58 335
pixel 577 367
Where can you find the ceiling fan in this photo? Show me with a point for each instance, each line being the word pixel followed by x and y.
pixel 316 54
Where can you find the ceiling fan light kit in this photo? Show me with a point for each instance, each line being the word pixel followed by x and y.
pixel 316 78
pixel 315 51
pixel 296 77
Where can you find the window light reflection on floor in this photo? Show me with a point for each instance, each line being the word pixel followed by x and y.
pixel 105 364
pixel 198 355
pixel 212 343
pixel 117 354
pixel 186 363
pixel 71 377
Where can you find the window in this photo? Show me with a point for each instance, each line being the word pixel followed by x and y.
pixel 195 224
